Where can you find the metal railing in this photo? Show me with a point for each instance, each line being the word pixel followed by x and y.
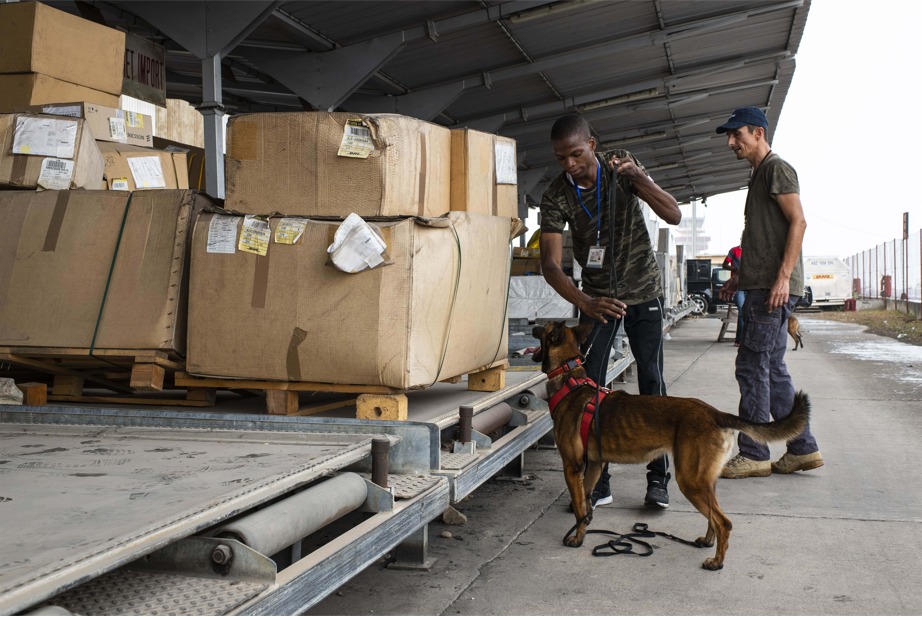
pixel 891 271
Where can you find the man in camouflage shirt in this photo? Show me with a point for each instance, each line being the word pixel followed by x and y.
pixel 772 275
pixel 633 291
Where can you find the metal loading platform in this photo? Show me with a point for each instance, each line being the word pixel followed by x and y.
pixel 110 510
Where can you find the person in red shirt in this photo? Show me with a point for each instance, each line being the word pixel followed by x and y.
pixel 732 263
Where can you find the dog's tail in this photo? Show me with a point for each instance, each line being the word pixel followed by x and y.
pixel 785 429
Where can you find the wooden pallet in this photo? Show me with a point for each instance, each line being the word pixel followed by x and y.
pixel 372 403
pixel 134 377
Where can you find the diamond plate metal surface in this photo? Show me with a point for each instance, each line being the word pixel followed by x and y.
pixel 408 486
pixel 125 592
pixel 457 461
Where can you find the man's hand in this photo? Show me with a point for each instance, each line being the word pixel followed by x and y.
pixel 602 308
pixel 728 290
pixel 626 168
pixel 779 295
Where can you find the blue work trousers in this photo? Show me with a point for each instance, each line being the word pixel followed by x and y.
pixel 766 387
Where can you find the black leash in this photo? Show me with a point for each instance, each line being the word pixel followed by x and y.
pixel 623 543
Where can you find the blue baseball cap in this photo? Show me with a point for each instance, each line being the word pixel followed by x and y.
pixel 742 117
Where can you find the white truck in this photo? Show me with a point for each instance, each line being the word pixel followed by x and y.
pixel 828 279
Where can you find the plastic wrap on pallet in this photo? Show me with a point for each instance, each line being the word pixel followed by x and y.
pixel 530 297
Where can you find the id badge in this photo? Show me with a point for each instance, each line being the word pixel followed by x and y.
pixel 596 255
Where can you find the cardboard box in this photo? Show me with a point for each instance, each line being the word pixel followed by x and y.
pixel 132 168
pixel 333 164
pixel 195 160
pixel 483 173
pixel 436 312
pixel 525 265
pixel 25 90
pixel 50 152
pixel 36 38
pixel 106 123
pixel 56 251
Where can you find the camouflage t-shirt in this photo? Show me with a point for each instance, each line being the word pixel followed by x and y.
pixel 638 277
pixel 766 228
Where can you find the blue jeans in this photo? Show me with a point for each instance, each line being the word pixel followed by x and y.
pixel 643 325
pixel 739 299
pixel 766 388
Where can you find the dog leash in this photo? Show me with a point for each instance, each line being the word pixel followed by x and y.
pixel 624 543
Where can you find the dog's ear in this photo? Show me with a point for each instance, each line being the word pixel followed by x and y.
pixel 583 331
pixel 538 333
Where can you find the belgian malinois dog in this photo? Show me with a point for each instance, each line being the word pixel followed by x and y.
pixel 638 428
pixel 794 331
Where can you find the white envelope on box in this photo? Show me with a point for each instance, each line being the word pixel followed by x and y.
pixel 357 246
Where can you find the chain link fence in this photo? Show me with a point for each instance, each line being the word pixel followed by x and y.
pixel 891 271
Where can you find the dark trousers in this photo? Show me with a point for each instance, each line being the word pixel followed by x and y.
pixel 766 387
pixel 643 325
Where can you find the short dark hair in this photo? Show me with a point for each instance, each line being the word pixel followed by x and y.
pixel 570 125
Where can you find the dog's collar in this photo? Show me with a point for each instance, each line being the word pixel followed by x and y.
pixel 566 367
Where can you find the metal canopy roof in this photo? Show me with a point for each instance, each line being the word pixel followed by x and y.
pixel 653 76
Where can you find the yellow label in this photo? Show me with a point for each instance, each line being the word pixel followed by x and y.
pixel 357 142
pixel 290 230
pixel 255 235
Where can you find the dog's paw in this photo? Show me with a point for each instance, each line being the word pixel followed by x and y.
pixel 574 541
pixel 712 564
pixel 703 542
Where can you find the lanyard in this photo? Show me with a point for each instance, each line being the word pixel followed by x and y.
pixel 598 197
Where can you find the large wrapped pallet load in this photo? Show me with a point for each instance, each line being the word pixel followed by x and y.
pixel 266 303
pixel 48 56
pixel 334 164
pixel 95 270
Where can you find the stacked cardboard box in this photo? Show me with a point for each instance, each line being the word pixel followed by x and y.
pixel 47 56
pixel 57 249
pixel 106 123
pixel 332 164
pixel 432 310
pixel 437 311
pixel 50 152
pixel 132 168
pixel 483 173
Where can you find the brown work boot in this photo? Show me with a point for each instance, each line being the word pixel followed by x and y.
pixel 741 467
pixel 789 463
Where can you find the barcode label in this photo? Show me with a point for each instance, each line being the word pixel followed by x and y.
pixel 358 131
pixel 357 142
pixel 55 174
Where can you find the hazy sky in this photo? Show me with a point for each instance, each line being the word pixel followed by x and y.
pixel 851 126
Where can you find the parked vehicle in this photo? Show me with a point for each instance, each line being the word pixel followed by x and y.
pixel 703 283
pixel 828 279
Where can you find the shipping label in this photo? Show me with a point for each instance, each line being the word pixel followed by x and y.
pixel 147 172
pixel 357 142
pixel 222 234
pixel 37 136
pixel 117 131
pixel 119 184
pixel 504 155
pixel 290 230
pixel 56 174
pixel 255 235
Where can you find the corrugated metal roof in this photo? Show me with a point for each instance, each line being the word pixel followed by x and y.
pixel 653 76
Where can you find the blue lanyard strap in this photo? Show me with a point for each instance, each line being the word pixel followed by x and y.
pixel 598 198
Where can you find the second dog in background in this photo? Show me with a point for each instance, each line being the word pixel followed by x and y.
pixel 794 331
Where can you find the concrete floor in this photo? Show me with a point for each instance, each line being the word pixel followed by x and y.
pixel 844 539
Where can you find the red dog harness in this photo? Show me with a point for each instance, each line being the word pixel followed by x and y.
pixel 571 384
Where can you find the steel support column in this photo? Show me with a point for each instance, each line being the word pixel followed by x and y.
pixel 212 110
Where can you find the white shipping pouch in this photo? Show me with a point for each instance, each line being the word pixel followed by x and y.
pixel 357 246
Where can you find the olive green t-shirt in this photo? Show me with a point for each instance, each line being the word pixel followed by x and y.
pixel 638 276
pixel 765 231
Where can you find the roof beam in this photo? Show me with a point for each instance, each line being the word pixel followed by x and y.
pixel 327 79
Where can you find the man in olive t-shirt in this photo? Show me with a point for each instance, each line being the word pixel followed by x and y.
pixel 772 275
